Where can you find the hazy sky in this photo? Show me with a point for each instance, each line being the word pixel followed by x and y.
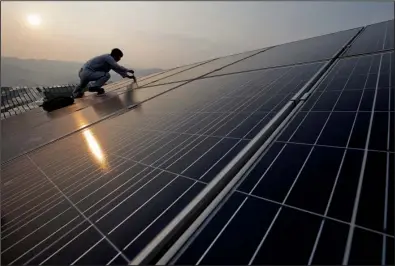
pixel 169 34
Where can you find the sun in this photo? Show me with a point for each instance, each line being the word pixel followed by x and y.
pixel 34 20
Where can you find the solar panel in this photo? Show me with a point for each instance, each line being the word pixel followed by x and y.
pixel 169 73
pixel 313 49
pixel 327 179
pixel 118 183
pixel 204 69
pixel 100 195
pixel 374 38
pixel 41 129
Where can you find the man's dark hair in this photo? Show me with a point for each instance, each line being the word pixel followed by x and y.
pixel 116 52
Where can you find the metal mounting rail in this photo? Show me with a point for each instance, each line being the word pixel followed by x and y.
pixel 187 237
pixel 171 239
pixel 324 69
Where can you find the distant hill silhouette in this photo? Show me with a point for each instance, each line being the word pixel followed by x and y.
pixel 31 72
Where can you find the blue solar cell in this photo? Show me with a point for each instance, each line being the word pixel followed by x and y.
pixel 374 38
pixel 330 247
pixel 169 73
pixel 367 248
pixel 314 170
pixel 132 174
pixel 206 68
pixel 118 183
pixel 313 49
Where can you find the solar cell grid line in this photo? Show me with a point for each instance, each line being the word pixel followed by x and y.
pixel 193 134
pixel 30 201
pixel 277 213
pixel 146 167
pixel 136 140
pixel 73 229
pixel 46 248
pixel 383 188
pixel 77 172
pixel 66 245
pixel 302 51
pixel 335 183
pixel 24 194
pixel 87 251
pixel 57 198
pixel 180 124
pixel 19 179
pixel 80 213
pixel 85 158
pixel 152 223
pixel 50 196
pixel 210 67
pixel 125 200
pixel 186 147
pixel 173 72
pixel 312 102
pixel 373 39
pixel 23 221
pixel 9 191
pixel 32 232
pixel 387 188
pixel 132 241
pixel 141 206
pixel 240 106
pixel 360 181
pixel 301 82
pixel 332 146
pixel 61 137
pixel 201 156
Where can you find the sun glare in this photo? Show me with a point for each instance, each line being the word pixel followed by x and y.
pixel 34 20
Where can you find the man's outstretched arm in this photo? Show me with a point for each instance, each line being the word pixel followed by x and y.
pixel 118 68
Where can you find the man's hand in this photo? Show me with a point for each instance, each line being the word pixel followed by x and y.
pixel 131 71
pixel 131 77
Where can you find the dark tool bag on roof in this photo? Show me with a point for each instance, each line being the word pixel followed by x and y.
pixel 57 97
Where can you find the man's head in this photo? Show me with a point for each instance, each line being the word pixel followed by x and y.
pixel 116 54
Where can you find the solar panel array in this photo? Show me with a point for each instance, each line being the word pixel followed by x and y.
pixel 18 100
pixel 306 186
pixel 104 194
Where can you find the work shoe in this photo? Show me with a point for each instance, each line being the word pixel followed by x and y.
pixel 96 89
pixel 78 94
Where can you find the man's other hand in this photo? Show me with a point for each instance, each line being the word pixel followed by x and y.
pixel 131 71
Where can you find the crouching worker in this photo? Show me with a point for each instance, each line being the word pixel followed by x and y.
pixel 97 69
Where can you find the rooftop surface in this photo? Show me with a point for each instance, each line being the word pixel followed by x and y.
pixel 283 155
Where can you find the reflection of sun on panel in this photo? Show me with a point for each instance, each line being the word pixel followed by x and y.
pixel 95 149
